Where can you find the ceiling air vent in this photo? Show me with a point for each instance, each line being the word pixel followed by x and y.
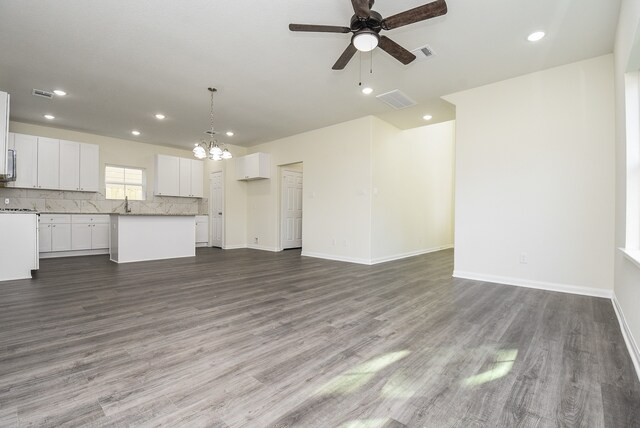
pixel 396 99
pixel 43 94
pixel 423 52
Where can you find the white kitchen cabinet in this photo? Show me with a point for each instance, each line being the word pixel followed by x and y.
pixel 55 232
pixel 197 178
pixel 60 237
pixel 79 166
pixel 202 230
pixel 81 236
pixel 48 163
pixel 191 178
pixel 177 176
pixel 89 167
pixel 4 131
pixel 26 147
pixel 69 165
pixel 255 166
pixel 167 181
pixel 100 236
pixel 89 232
pixel 185 177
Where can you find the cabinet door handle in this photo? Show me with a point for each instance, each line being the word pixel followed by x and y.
pixel 53 225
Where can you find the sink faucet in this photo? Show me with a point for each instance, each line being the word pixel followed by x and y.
pixel 127 209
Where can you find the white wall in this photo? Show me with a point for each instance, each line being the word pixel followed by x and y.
pixel 412 205
pixel 535 175
pixel 627 274
pixel 337 196
pixel 235 199
pixel 342 218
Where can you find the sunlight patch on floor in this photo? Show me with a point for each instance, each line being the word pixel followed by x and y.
pixel 354 378
pixel 502 366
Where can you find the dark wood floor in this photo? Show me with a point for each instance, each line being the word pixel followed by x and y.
pixel 246 338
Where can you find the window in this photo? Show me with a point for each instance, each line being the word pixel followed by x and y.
pixel 121 181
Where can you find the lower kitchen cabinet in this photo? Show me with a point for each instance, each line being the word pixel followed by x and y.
pixel 202 231
pixel 73 234
pixel 90 232
pixel 55 232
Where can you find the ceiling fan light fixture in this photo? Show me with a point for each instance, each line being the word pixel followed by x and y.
pixel 365 40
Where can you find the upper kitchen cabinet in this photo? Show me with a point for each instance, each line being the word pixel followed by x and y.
pixel 26 147
pixel 253 167
pixel 4 131
pixel 79 166
pixel 191 178
pixel 167 181
pixel 46 163
pixel 179 177
pixel 89 167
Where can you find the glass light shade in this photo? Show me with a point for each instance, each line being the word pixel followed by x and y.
pixel 215 150
pixel 365 41
pixel 216 157
pixel 226 154
pixel 199 152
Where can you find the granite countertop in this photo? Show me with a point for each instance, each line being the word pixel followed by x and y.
pixel 153 215
pixel 123 214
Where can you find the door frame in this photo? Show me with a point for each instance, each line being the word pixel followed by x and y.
pixel 224 215
pixel 283 169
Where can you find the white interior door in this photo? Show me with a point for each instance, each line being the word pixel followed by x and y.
pixel 217 209
pixel 291 227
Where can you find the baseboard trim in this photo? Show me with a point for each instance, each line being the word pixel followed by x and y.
pixel 74 253
pixel 540 285
pixel 336 258
pixel 261 247
pixel 409 254
pixel 234 247
pixel 632 346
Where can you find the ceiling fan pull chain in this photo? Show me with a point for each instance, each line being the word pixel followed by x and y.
pixel 371 63
pixel 360 70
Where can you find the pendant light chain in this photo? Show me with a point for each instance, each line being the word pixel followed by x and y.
pixel 211 149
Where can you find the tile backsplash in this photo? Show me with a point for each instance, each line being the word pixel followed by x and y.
pixel 85 202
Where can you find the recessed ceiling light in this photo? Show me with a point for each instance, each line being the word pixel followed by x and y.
pixel 49 116
pixel 367 90
pixel 160 116
pixel 59 92
pixel 534 37
pixel 427 117
pixel 136 133
pixel 230 134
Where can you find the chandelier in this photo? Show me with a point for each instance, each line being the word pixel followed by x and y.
pixel 210 148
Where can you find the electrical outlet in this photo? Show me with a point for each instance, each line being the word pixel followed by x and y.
pixel 333 242
pixel 255 240
pixel 524 258
pixel 6 201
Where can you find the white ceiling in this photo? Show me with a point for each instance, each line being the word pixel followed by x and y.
pixel 121 61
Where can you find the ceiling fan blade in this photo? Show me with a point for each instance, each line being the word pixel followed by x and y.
pixel 420 13
pixel 346 56
pixel 362 8
pixel 395 50
pixel 319 28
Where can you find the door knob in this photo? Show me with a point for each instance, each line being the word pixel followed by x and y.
pixel 220 213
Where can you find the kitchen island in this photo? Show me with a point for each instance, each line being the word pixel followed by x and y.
pixel 141 237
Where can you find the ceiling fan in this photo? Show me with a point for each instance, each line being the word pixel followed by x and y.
pixel 366 25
